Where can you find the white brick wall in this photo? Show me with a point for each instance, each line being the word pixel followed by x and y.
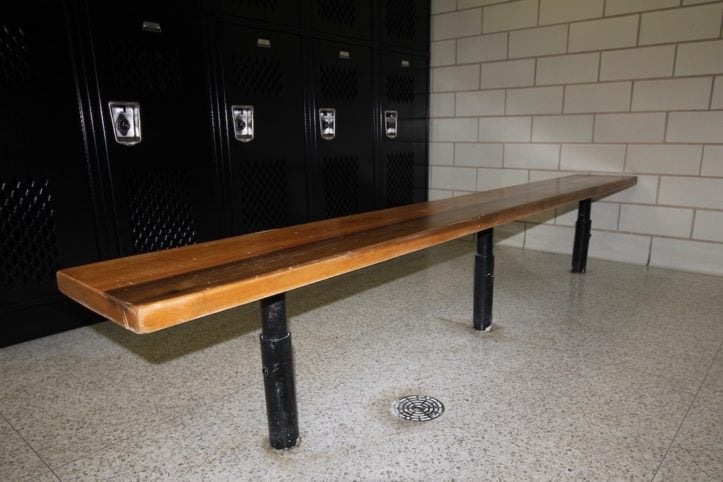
pixel 638 63
pixel 479 103
pixel 534 100
pixel 567 69
pixel 712 161
pixel 672 94
pixel 663 159
pixel 482 48
pixel 478 155
pixel 509 16
pixel 589 98
pixel 532 156
pixel 717 100
pixel 524 90
pixel 692 23
pixel 608 33
pixel 562 128
pixel 516 73
pixel 630 127
pixel 538 41
pixel 617 7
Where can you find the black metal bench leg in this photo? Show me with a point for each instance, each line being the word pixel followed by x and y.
pixel 278 369
pixel 484 275
pixel 582 237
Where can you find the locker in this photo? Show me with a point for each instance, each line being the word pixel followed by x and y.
pixel 262 73
pixel 402 159
pixel 285 12
pixel 405 23
pixel 351 18
pixel 164 182
pixel 344 164
pixel 46 204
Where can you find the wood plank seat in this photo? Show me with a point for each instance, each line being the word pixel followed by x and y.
pixel 153 291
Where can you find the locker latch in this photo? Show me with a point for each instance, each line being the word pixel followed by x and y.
pixel 327 123
pixel 243 122
pixel 390 123
pixel 126 120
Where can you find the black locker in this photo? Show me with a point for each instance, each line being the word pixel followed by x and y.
pixel 405 23
pixel 263 70
pixel 402 159
pixel 343 172
pixel 351 18
pixel 165 188
pixel 284 12
pixel 46 204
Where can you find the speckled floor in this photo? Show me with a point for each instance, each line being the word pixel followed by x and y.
pixel 617 374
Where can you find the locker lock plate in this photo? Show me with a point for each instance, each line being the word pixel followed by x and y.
pixel 125 118
pixel 327 123
pixel 391 120
pixel 242 117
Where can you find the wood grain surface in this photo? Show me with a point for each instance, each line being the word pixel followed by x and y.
pixel 152 291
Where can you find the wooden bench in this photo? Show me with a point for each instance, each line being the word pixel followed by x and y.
pixel 153 291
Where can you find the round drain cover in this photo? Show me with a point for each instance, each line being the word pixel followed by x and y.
pixel 417 408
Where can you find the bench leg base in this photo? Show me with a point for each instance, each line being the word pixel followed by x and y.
pixel 582 237
pixel 484 276
pixel 278 370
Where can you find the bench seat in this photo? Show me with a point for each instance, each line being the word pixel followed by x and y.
pixel 149 292
pixel 152 291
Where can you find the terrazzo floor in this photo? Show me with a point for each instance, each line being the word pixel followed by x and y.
pixel 612 375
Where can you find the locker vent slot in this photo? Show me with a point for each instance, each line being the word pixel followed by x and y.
pixel 160 209
pixel 254 75
pixel 14 58
pixel 400 178
pixel 268 5
pixel 400 19
pixel 28 252
pixel 400 88
pixel 339 12
pixel 150 69
pixel 263 195
pixel 341 185
pixel 339 83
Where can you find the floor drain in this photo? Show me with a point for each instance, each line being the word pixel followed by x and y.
pixel 417 408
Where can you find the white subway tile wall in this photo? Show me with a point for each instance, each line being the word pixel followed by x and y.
pixel 525 90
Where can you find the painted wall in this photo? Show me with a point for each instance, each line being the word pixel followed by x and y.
pixel 527 90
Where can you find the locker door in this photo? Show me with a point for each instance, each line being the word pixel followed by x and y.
pixel 164 187
pixel 262 70
pixel 402 162
pixel 46 205
pixel 351 18
pixel 405 23
pixel 284 12
pixel 344 166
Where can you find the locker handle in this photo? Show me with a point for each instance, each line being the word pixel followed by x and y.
pixel 242 117
pixel 125 117
pixel 391 122
pixel 327 123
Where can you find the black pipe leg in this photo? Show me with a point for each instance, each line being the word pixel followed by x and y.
pixel 582 237
pixel 278 370
pixel 484 275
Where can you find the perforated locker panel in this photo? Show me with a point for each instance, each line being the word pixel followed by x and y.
pixel 402 160
pixel 284 12
pixel 46 217
pixel 351 18
pixel 405 23
pixel 343 168
pixel 164 187
pixel 263 69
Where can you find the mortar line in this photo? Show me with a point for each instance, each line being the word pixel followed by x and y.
pixel 30 446
pixel 700 387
